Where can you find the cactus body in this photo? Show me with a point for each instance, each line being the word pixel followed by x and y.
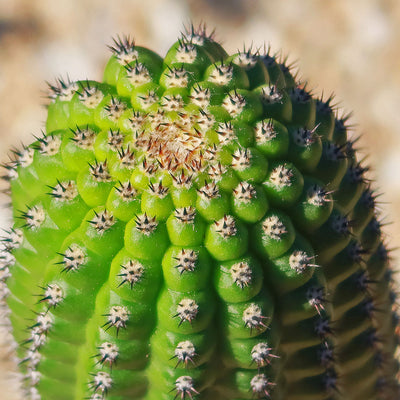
pixel 196 227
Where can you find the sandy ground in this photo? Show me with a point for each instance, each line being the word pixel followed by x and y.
pixel 349 48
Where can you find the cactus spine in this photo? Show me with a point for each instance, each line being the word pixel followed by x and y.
pixel 197 227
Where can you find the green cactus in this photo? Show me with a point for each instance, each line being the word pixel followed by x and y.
pixel 197 227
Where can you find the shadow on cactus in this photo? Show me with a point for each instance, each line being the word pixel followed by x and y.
pixel 197 227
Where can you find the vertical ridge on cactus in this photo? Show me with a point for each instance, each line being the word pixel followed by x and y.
pixel 197 227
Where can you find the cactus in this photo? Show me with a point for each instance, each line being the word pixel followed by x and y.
pixel 197 227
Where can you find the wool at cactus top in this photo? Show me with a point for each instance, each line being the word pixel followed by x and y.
pixel 196 227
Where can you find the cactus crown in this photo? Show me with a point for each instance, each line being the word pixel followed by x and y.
pixel 199 227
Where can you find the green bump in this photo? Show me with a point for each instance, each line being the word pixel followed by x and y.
pixel 228 75
pixel 305 148
pixel 238 280
pixel 276 103
pixel 250 318
pixel 156 201
pixel 272 138
pixel 274 234
pixel 283 184
pixel 94 183
pixel 226 238
pixel 124 201
pixel 186 269
pixel 294 268
pixel 185 312
pixel 212 203
pixel 145 237
pixel 314 206
pixel 186 227
pixel 134 279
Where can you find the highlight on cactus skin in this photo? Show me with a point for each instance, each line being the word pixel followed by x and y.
pixel 197 227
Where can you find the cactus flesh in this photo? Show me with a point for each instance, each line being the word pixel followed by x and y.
pixel 196 227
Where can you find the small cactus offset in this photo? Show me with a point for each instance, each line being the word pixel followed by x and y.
pixel 197 227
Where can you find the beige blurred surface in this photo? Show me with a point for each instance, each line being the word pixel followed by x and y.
pixel 351 48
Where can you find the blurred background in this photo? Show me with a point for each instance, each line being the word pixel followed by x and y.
pixel 350 48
